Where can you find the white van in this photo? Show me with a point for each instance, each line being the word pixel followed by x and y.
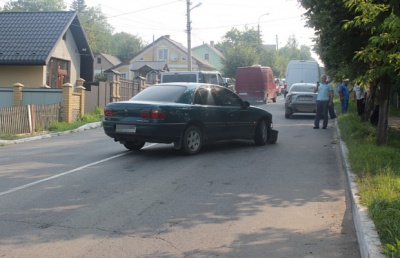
pixel 212 77
pixel 302 71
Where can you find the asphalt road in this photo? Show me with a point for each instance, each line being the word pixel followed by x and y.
pixel 82 195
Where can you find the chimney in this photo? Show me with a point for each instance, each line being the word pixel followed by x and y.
pixel 167 36
pixel 212 43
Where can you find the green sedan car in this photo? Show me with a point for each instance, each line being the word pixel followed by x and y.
pixel 188 115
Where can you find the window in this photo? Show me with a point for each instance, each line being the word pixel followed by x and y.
pixel 123 76
pixel 206 57
pixel 58 73
pixel 99 60
pixel 204 96
pixel 227 97
pixel 162 54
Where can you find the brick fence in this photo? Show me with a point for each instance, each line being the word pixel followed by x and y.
pixel 73 103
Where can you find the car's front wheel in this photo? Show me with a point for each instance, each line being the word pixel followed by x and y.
pixel 192 140
pixel 134 145
pixel 261 136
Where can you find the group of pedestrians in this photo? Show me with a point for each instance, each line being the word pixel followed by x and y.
pixel 325 95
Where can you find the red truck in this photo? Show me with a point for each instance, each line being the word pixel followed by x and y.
pixel 255 83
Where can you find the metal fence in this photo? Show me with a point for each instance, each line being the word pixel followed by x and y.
pixel 41 96
pixel 128 89
pixel 6 97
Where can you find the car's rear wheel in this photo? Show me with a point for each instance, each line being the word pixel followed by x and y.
pixel 134 145
pixel 261 136
pixel 192 140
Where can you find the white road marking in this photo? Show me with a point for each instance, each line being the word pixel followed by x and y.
pixel 68 172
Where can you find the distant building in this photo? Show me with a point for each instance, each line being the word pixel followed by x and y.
pixel 104 61
pixel 162 54
pixel 209 53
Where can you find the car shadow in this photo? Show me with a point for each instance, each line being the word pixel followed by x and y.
pixel 224 147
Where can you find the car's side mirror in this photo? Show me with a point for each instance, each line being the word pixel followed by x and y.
pixel 245 104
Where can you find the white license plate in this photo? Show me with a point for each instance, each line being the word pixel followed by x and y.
pixel 125 129
pixel 243 93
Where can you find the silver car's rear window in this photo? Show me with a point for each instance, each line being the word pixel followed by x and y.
pixel 170 93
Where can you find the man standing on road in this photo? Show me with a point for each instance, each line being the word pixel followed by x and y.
pixel 344 94
pixel 324 100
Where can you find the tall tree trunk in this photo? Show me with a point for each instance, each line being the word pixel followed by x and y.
pixel 384 95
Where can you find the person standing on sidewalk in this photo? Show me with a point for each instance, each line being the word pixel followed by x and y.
pixel 359 98
pixel 324 100
pixel 344 94
pixel 332 113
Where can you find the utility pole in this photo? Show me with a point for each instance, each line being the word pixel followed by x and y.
pixel 189 40
pixel 277 47
pixel 189 28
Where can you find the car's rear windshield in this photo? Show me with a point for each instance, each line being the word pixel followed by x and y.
pixel 302 88
pixel 165 93
pixel 179 78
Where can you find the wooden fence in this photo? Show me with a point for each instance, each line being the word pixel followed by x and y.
pixel 29 118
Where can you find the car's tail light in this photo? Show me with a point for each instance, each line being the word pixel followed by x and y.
pixel 108 112
pixel 152 113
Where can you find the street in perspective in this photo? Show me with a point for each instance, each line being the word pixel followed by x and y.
pixel 83 195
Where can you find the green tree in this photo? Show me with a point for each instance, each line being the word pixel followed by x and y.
pixel 124 45
pixel 94 22
pixel 78 6
pixel 359 39
pixel 238 56
pixel 240 48
pixel 334 45
pixel 381 52
pixel 34 5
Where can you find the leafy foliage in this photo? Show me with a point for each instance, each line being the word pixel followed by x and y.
pixel 34 6
pixel 242 48
pixel 124 45
pixel 94 22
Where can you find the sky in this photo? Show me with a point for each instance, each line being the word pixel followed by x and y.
pixel 148 19
pixel 210 21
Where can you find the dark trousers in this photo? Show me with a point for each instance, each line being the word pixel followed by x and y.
pixel 360 106
pixel 322 110
pixel 332 112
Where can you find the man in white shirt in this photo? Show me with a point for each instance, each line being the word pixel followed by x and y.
pixel 359 97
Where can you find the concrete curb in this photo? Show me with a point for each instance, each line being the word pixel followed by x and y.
pixel 44 136
pixel 368 239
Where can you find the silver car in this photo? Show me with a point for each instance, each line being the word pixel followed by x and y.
pixel 301 99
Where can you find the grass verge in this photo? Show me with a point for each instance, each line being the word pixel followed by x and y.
pixel 378 174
